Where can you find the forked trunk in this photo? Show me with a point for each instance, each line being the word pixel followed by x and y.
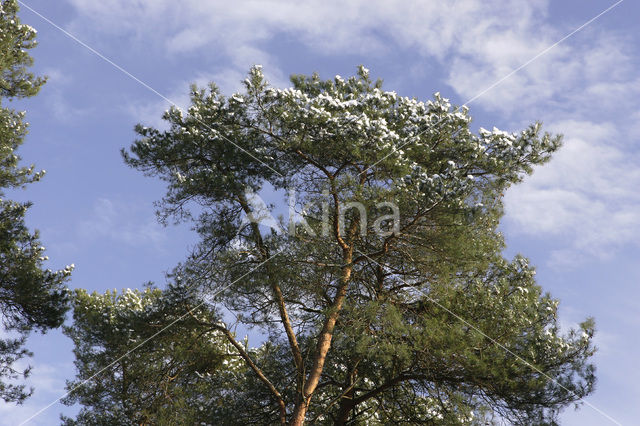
pixel 322 349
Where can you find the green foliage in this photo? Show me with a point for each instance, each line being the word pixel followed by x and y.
pixel 430 363
pixel 15 82
pixel 367 322
pixel 16 39
pixel 152 385
pixel 30 296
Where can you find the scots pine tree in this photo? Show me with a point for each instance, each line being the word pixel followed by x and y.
pixel 385 299
pixel 31 297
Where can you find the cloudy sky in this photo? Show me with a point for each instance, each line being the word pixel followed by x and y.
pixel 577 218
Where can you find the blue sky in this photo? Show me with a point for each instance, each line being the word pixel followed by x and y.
pixel 577 218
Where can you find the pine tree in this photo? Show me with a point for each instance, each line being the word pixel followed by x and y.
pixel 386 299
pixel 165 382
pixel 31 297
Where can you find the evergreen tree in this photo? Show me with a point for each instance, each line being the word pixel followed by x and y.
pixel 165 382
pixel 31 298
pixel 387 299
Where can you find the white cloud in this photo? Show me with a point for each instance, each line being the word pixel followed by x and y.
pixel 476 42
pixel 587 194
pixel 53 91
pixel 121 222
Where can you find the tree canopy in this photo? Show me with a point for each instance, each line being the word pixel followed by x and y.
pixel 165 382
pixel 384 299
pixel 31 297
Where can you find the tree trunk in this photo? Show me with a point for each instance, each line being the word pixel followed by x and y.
pixel 323 346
